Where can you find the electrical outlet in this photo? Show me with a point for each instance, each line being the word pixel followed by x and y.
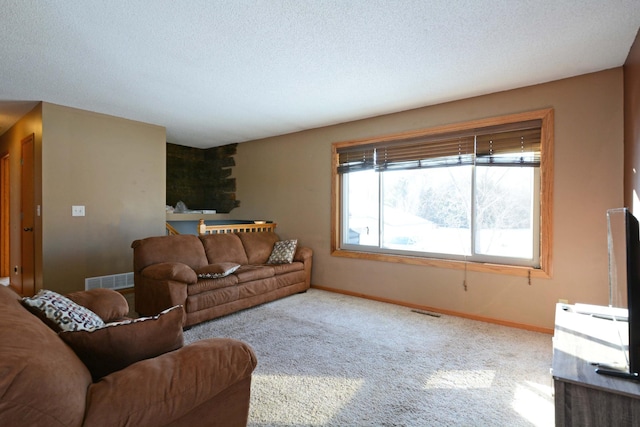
pixel 563 301
pixel 77 210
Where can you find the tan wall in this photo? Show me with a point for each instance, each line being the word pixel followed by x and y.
pixel 287 179
pixel 632 127
pixel 116 169
pixel 10 142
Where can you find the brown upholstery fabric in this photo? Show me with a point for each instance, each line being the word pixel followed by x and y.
pixel 234 402
pixel 42 382
pixel 287 268
pixel 109 305
pixel 171 270
pixel 303 254
pixel 224 247
pixel 152 296
pixel 306 256
pixel 213 311
pixel 247 273
pixel 113 348
pixel 288 279
pixel 205 285
pixel 209 368
pixel 257 287
pixel 184 248
pixel 209 298
pixel 258 246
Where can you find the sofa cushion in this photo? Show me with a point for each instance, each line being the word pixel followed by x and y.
pixel 211 300
pixel 42 381
pixel 119 344
pixel 205 285
pixel 258 290
pixel 183 248
pixel 283 252
pixel 60 313
pixel 258 246
pixel 291 278
pixel 216 271
pixel 287 268
pixel 224 247
pixel 247 273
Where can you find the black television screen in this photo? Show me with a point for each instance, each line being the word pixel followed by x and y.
pixel 624 283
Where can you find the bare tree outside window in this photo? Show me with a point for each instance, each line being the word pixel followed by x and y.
pixel 472 193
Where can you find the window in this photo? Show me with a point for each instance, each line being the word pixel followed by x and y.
pixel 473 195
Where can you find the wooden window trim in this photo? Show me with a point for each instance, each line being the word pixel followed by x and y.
pixel 546 197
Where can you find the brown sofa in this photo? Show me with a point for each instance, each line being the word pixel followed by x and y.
pixel 44 383
pixel 166 273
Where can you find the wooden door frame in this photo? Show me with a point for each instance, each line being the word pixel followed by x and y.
pixel 5 215
pixel 27 272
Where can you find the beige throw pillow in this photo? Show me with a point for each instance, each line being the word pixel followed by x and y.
pixel 215 271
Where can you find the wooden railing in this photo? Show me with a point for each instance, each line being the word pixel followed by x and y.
pixel 170 230
pixel 233 228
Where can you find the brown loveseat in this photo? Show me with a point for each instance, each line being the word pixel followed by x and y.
pixel 166 273
pixel 44 383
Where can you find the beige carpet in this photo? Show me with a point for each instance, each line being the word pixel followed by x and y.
pixel 326 359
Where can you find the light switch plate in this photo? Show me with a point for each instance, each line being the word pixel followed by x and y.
pixel 77 210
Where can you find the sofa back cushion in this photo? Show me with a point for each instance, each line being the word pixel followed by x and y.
pixel 258 246
pixel 184 248
pixel 119 344
pixel 43 382
pixel 224 247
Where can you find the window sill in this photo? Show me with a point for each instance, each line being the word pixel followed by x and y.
pixel 443 263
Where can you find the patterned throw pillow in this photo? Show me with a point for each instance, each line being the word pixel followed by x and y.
pixel 215 271
pixel 175 308
pixel 283 252
pixel 60 313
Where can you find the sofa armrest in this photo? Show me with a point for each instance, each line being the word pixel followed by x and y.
pixel 158 391
pixel 152 296
pixel 303 254
pixel 110 305
pixel 176 271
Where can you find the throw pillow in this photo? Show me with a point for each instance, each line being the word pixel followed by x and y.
pixel 283 252
pixel 214 271
pixel 60 313
pixel 119 344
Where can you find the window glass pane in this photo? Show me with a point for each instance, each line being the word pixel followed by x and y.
pixel 428 210
pixel 504 211
pixel 488 207
pixel 361 203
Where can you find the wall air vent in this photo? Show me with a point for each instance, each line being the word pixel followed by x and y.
pixel 113 281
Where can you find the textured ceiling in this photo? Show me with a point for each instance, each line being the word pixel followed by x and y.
pixel 219 72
